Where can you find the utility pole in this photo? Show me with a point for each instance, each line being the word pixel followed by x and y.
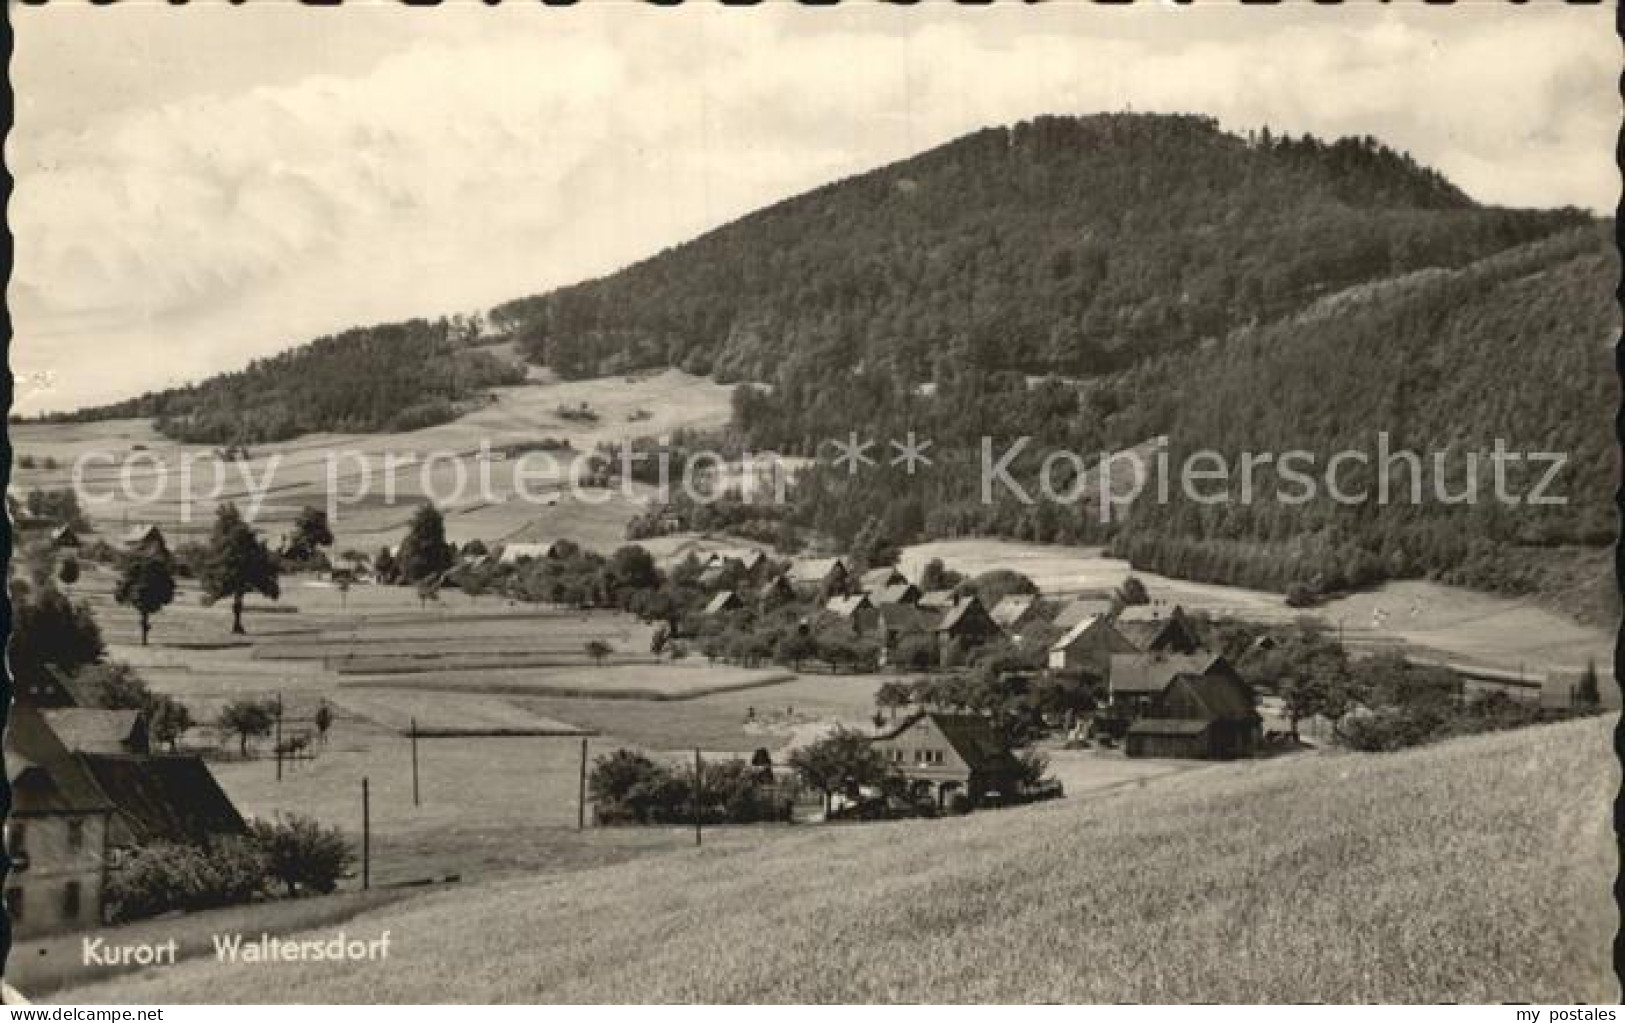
pixel 581 793
pixel 698 785
pixel 415 799
pixel 366 837
pixel 277 748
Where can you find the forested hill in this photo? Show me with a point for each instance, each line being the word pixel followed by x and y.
pixel 1517 347
pixel 392 377
pixel 1066 245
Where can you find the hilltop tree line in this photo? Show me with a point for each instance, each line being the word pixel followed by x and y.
pixel 1067 245
pixel 392 377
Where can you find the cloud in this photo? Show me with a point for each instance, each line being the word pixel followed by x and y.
pixel 161 242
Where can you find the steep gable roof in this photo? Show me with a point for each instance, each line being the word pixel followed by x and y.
pixel 1149 673
pixel 163 798
pixel 1115 642
pixel 972 737
pixel 814 570
pixel 45 777
pixel 963 613
pixel 879 578
pixel 1223 696
pixel 848 606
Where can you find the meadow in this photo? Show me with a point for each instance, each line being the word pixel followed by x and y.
pixel 1474 871
pixel 643 405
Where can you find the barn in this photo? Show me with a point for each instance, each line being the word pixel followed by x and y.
pixel 1199 717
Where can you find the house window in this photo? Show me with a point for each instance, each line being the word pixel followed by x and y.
pixel 14 904
pixel 70 900
pixel 16 840
pixel 76 835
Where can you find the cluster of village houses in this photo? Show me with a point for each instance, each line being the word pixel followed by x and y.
pixel 87 787
pixel 1182 700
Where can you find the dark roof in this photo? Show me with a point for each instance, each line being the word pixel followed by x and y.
pixel 1222 696
pixel 94 730
pixel 907 618
pixel 45 777
pixel 956 615
pixel 164 798
pixel 971 736
pixel 1151 672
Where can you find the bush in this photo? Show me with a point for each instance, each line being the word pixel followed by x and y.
pixel 303 855
pixel 165 877
pixel 629 788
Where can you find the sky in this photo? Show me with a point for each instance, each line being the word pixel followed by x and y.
pixel 201 186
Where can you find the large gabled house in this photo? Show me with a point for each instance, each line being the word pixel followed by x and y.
pixel 56 834
pixel 880 578
pixel 750 564
pixel 854 612
pixel 896 622
pixel 941 754
pixel 1016 611
pixel 1135 680
pixel 964 626
pixel 156 797
pixel 1211 716
pixel 1081 607
pixel 1087 648
pixel 1157 628
pixel 810 576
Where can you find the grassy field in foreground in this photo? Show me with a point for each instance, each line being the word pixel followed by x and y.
pixel 1474 871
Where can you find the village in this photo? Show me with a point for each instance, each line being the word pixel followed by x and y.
pixel 682 674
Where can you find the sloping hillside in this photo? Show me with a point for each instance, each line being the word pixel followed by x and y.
pixel 1515 350
pixel 387 378
pixel 1474 871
